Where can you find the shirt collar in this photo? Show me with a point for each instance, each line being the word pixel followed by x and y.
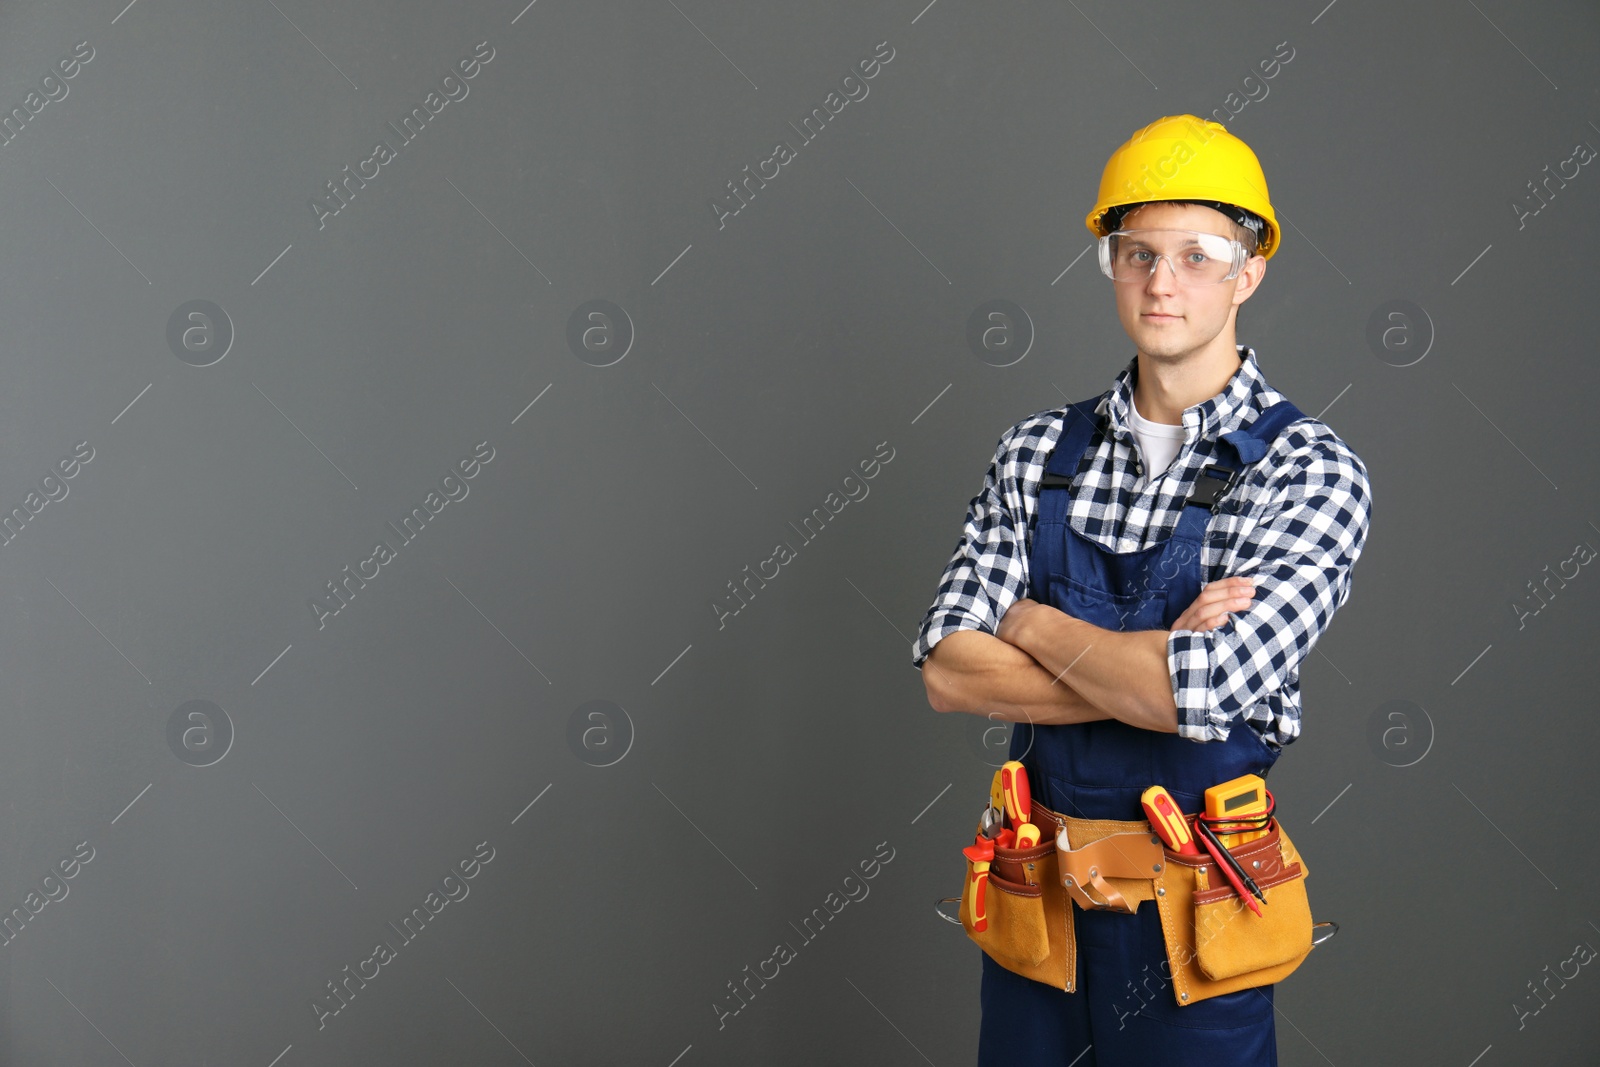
pixel 1207 419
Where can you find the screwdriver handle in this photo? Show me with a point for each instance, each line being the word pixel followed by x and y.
pixel 1167 821
pixel 1018 797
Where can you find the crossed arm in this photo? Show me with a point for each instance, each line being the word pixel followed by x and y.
pixel 986 649
pixel 1044 666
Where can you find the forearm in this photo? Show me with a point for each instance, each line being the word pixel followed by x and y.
pixel 978 673
pixel 1124 673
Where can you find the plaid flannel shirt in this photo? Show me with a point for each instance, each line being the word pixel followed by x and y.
pixel 1296 522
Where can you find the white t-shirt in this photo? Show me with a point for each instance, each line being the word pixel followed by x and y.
pixel 1159 441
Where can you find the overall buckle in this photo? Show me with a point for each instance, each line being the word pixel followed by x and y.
pixel 1212 485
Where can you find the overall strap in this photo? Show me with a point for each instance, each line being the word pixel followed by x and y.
pixel 1049 546
pixel 1237 450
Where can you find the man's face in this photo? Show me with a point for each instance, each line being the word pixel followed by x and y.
pixel 1167 320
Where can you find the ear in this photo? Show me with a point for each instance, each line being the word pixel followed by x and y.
pixel 1250 275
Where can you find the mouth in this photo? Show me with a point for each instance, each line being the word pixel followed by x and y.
pixel 1160 317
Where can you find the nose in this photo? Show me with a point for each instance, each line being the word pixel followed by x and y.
pixel 1155 284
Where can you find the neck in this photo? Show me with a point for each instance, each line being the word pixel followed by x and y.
pixel 1167 385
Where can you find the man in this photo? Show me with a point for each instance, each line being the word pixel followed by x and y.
pixel 1140 578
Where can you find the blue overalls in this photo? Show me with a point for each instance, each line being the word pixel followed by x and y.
pixel 1122 1012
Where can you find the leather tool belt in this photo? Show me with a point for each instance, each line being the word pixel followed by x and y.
pixel 1215 944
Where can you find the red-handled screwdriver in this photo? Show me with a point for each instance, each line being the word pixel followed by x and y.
pixel 1018 798
pixel 1015 792
pixel 1167 821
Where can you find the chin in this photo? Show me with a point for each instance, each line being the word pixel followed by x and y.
pixel 1159 342
pixel 1167 352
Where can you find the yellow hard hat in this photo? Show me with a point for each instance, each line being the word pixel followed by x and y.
pixel 1181 157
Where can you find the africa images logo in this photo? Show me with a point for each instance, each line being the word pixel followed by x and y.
pixel 451 89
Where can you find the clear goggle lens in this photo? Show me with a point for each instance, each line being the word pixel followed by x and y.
pixel 1195 257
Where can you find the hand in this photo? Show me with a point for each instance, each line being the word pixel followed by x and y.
pixel 1210 609
pixel 1014 619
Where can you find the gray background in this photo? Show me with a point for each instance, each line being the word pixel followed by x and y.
pixel 762 761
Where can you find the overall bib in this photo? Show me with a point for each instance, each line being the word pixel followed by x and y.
pixel 1122 1012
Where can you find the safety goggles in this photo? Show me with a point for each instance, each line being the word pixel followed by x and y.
pixel 1194 257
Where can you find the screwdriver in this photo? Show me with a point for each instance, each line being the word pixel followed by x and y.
pixel 1168 821
pixel 1014 792
pixel 1018 798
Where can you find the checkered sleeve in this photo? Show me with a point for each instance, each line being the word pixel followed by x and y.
pixel 1310 529
pixel 988 571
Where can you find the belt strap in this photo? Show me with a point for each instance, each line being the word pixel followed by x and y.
pixel 1111 864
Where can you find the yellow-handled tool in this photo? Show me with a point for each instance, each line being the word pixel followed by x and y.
pixel 980 882
pixel 1168 822
pixel 1015 794
pixel 1018 799
pixel 980 852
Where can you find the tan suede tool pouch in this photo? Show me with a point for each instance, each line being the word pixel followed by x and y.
pixel 1215 943
pixel 1030 928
